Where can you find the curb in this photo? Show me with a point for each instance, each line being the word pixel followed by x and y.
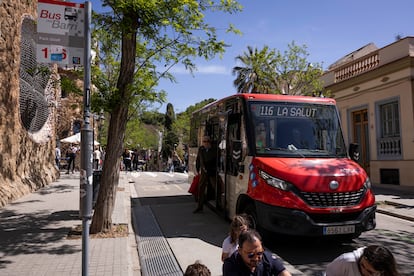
pixel 393 213
pixel 382 211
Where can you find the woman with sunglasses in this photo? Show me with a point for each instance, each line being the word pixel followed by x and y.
pixel 373 260
pixel 251 259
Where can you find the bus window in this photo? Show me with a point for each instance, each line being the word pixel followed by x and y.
pixel 283 129
pixel 260 136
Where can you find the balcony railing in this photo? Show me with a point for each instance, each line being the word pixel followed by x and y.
pixel 389 147
pixel 359 66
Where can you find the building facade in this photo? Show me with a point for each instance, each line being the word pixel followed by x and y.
pixel 375 96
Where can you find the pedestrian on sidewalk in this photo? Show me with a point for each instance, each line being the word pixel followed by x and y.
pixel 97 158
pixel 71 154
pixel 57 157
pixel 126 158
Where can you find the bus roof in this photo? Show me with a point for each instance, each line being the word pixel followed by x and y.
pixel 281 98
pixel 273 97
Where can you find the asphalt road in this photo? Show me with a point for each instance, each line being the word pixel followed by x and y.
pixel 199 236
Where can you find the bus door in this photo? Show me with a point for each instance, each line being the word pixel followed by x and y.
pixel 215 130
pixel 233 157
pixel 221 165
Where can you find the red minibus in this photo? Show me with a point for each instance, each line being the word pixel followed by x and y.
pixel 282 160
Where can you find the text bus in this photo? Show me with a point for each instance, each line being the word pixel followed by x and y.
pixel 282 160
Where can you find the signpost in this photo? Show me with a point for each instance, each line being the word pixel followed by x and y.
pixel 64 38
pixel 60 28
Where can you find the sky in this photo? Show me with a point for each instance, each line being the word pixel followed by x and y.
pixel 330 29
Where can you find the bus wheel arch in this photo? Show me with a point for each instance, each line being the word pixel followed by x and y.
pixel 251 213
pixel 245 205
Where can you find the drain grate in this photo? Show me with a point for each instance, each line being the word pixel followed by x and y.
pixel 156 256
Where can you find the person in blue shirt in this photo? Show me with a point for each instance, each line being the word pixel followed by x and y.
pixel 252 260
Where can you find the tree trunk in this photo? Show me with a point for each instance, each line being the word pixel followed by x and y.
pixel 102 217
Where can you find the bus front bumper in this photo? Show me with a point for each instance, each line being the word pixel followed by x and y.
pixel 298 223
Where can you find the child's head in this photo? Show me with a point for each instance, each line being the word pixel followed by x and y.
pixel 197 269
pixel 238 225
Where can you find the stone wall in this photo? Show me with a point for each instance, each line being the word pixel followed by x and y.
pixel 26 164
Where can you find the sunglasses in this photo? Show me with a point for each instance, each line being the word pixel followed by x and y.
pixel 252 254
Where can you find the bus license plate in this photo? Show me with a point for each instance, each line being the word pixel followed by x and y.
pixel 337 230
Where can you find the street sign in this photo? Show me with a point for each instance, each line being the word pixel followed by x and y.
pixel 60 33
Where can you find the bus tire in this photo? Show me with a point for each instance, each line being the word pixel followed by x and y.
pixel 250 211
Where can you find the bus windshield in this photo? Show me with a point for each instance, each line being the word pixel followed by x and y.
pixel 294 129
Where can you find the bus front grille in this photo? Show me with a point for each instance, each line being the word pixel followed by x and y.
pixel 332 199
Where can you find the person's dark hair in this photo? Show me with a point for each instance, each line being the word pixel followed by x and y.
pixel 197 269
pixel 381 259
pixel 250 236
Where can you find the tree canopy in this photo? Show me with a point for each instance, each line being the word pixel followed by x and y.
pixel 273 72
pixel 141 40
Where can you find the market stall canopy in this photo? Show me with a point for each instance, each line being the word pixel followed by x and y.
pixel 76 139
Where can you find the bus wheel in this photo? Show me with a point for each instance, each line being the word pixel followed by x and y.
pixel 250 211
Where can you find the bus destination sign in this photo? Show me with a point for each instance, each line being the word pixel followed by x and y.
pixel 285 110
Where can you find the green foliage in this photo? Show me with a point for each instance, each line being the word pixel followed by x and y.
pixel 152 118
pixel 169 117
pixel 170 141
pixel 168 33
pixel 273 72
pixel 182 123
pixel 69 86
pixel 136 45
pixel 140 135
pixel 255 76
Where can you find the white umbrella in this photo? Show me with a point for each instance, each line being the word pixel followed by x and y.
pixel 76 139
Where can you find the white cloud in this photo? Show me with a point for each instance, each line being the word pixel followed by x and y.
pixel 202 69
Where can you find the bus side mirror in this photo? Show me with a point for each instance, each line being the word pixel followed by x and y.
pixel 354 151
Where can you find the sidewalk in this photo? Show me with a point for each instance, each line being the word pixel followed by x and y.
pixel 397 201
pixel 34 229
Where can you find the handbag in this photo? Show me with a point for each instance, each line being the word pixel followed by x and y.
pixel 194 186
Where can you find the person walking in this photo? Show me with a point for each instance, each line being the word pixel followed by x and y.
pixel 126 158
pixel 97 158
pixel 71 154
pixel 206 166
pixel 57 157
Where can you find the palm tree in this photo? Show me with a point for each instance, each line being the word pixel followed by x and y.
pixel 270 71
pixel 256 74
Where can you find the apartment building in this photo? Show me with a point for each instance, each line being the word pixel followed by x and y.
pixel 374 91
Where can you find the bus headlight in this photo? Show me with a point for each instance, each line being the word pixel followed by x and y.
pixel 274 182
pixel 367 184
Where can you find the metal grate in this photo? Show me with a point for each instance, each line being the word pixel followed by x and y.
pixel 156 256
pixel 332 199
pixel 34 109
